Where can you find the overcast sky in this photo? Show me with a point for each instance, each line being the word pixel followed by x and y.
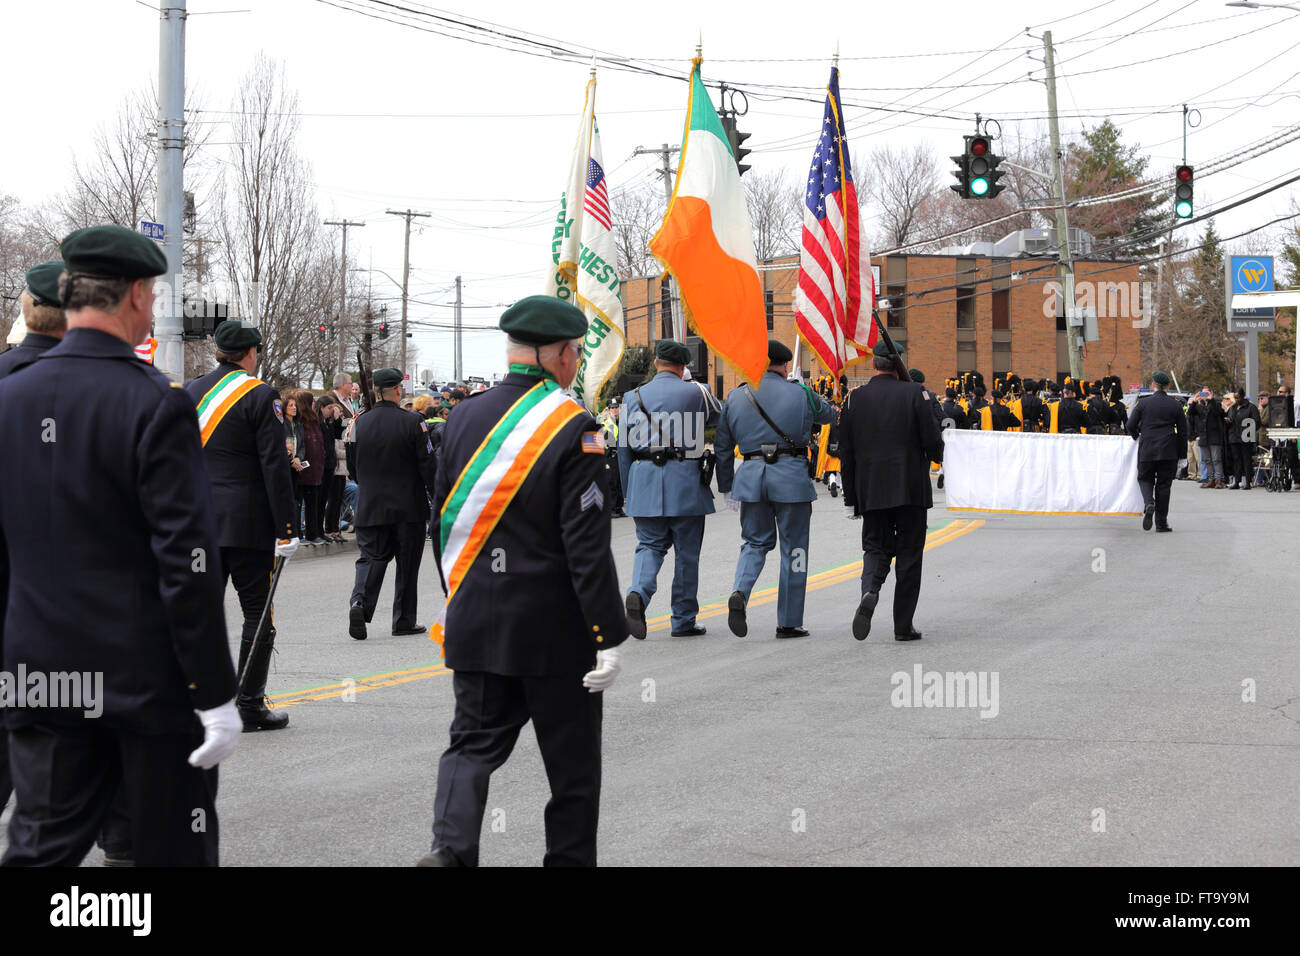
pixel 397 117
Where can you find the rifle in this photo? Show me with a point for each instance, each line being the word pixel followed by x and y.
pixel 899 367
pixel 363 379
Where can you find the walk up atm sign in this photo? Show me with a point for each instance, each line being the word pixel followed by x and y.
pixel 1249 274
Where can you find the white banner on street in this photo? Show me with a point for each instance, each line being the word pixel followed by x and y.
pixel 1037 473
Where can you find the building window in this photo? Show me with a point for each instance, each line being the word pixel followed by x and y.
pixel 966 354
pixel 896 291
pixel 1001 310
pixel 966 308
pixel 769 306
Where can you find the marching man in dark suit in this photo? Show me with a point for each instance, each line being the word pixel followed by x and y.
pixel 110 501
pixel 1159 426
pixel 241 425
pixel 534 603
pixel 395 466
pixel 888 437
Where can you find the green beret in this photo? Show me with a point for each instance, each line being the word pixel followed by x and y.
pixel 881 349
pixel 672 352
pixel 1161 378
pixel 235 336
pixel 391 377
pixel 543 319
pixel 778 353
pixel 43 283
pixel 113 252
pixel 916 375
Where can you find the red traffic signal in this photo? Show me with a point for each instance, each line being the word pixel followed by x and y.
pixel 979 146
pixel 1184 174
pixel 321 327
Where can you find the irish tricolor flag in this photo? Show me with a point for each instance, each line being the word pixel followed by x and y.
pixel 706 243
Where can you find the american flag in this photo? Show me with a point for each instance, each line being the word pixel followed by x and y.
pixel 596 199
pixel 835 294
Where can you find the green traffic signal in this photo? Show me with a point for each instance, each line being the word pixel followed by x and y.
pixel 979 186
pixel 1183 192
pixel 1183 209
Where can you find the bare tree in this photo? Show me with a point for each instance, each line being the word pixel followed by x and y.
pixel 902 180
pixel 22 246
pixel 638 212
pixel 775 213
pixel 281 268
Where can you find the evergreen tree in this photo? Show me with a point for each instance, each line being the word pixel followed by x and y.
pixel 1101 163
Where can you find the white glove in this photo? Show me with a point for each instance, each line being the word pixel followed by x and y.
pixel 732 503
pixel 221 729
pixel 1182 463
pixel 286 547
pixel 607 668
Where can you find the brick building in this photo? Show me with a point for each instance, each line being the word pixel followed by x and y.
pixel 958 313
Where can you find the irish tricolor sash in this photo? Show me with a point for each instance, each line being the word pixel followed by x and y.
pixel 221 398
pixel 492 477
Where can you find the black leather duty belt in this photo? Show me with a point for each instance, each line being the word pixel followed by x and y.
pixel 662 456
pixel 793 453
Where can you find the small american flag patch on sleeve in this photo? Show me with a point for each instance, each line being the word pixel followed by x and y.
pixel 593 443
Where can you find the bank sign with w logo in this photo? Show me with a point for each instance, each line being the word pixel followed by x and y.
pixel 1250 274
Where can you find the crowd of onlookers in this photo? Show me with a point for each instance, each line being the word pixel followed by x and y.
pixel 1226 434
pixel 318 439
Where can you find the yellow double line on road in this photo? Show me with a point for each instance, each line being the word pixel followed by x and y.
pixel 822 579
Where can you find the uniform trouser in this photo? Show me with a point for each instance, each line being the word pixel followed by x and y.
pixel 897 533
pixel 491 709
pixel 615 481
pixel 6 781
pixel 312 501
pixel 1240 464
pixel 1193 460
pixel 251 570
pixel 380 544
pixel 654 536
pixel 333 486
pixel 1154 478
pixel 760 524
pixel 66 778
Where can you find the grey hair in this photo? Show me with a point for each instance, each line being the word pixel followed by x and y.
pixel 342 378
pixel 882 363
pixel 80 291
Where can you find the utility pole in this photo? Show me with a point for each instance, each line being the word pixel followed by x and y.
pixel 170 357
pixel 406 272
pixel 1065 265
pixel 456 370
pixel 667 172
pixel 343 288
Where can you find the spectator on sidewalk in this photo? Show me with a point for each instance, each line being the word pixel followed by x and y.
pixel 311 477
pixel 336 464
pixel 1244 426
pixel 1211 433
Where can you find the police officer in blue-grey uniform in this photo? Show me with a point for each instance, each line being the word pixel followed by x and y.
pixel 537 606
pixel 110 500
pixel 661 454
pixel 772 426
pixel 252 493
pixel 42 313
pixel 395 469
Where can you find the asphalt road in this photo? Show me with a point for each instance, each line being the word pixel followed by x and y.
pixel 1120 734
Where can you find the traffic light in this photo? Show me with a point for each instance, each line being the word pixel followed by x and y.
pixel 321 328
pixel 977 170
pixel 734 138
pixel 1183 192
pixel 383 330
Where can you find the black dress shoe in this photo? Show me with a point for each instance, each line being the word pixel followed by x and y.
pixel 941 482
pixel 911 634
pixel 1148 516
pixel 862 619
pixel 791 632
pixel 693 631
pixel 635 607
pixel 357 622
pixel 414 629
pixel 736 614
pixel 260 717
pixel 440 857
pixel 1163 527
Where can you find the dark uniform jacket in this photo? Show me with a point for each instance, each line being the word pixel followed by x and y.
pixel 33 346
pixel 552 600
pixel 395 466
pixel 1071 416
pixel 1159 426
pixel 252 483
pixel 888 437
pixel 1031 412
pixel 996 418
pixel 1100 416
pixel 951 413
pixel 973 413
pixel 112 563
